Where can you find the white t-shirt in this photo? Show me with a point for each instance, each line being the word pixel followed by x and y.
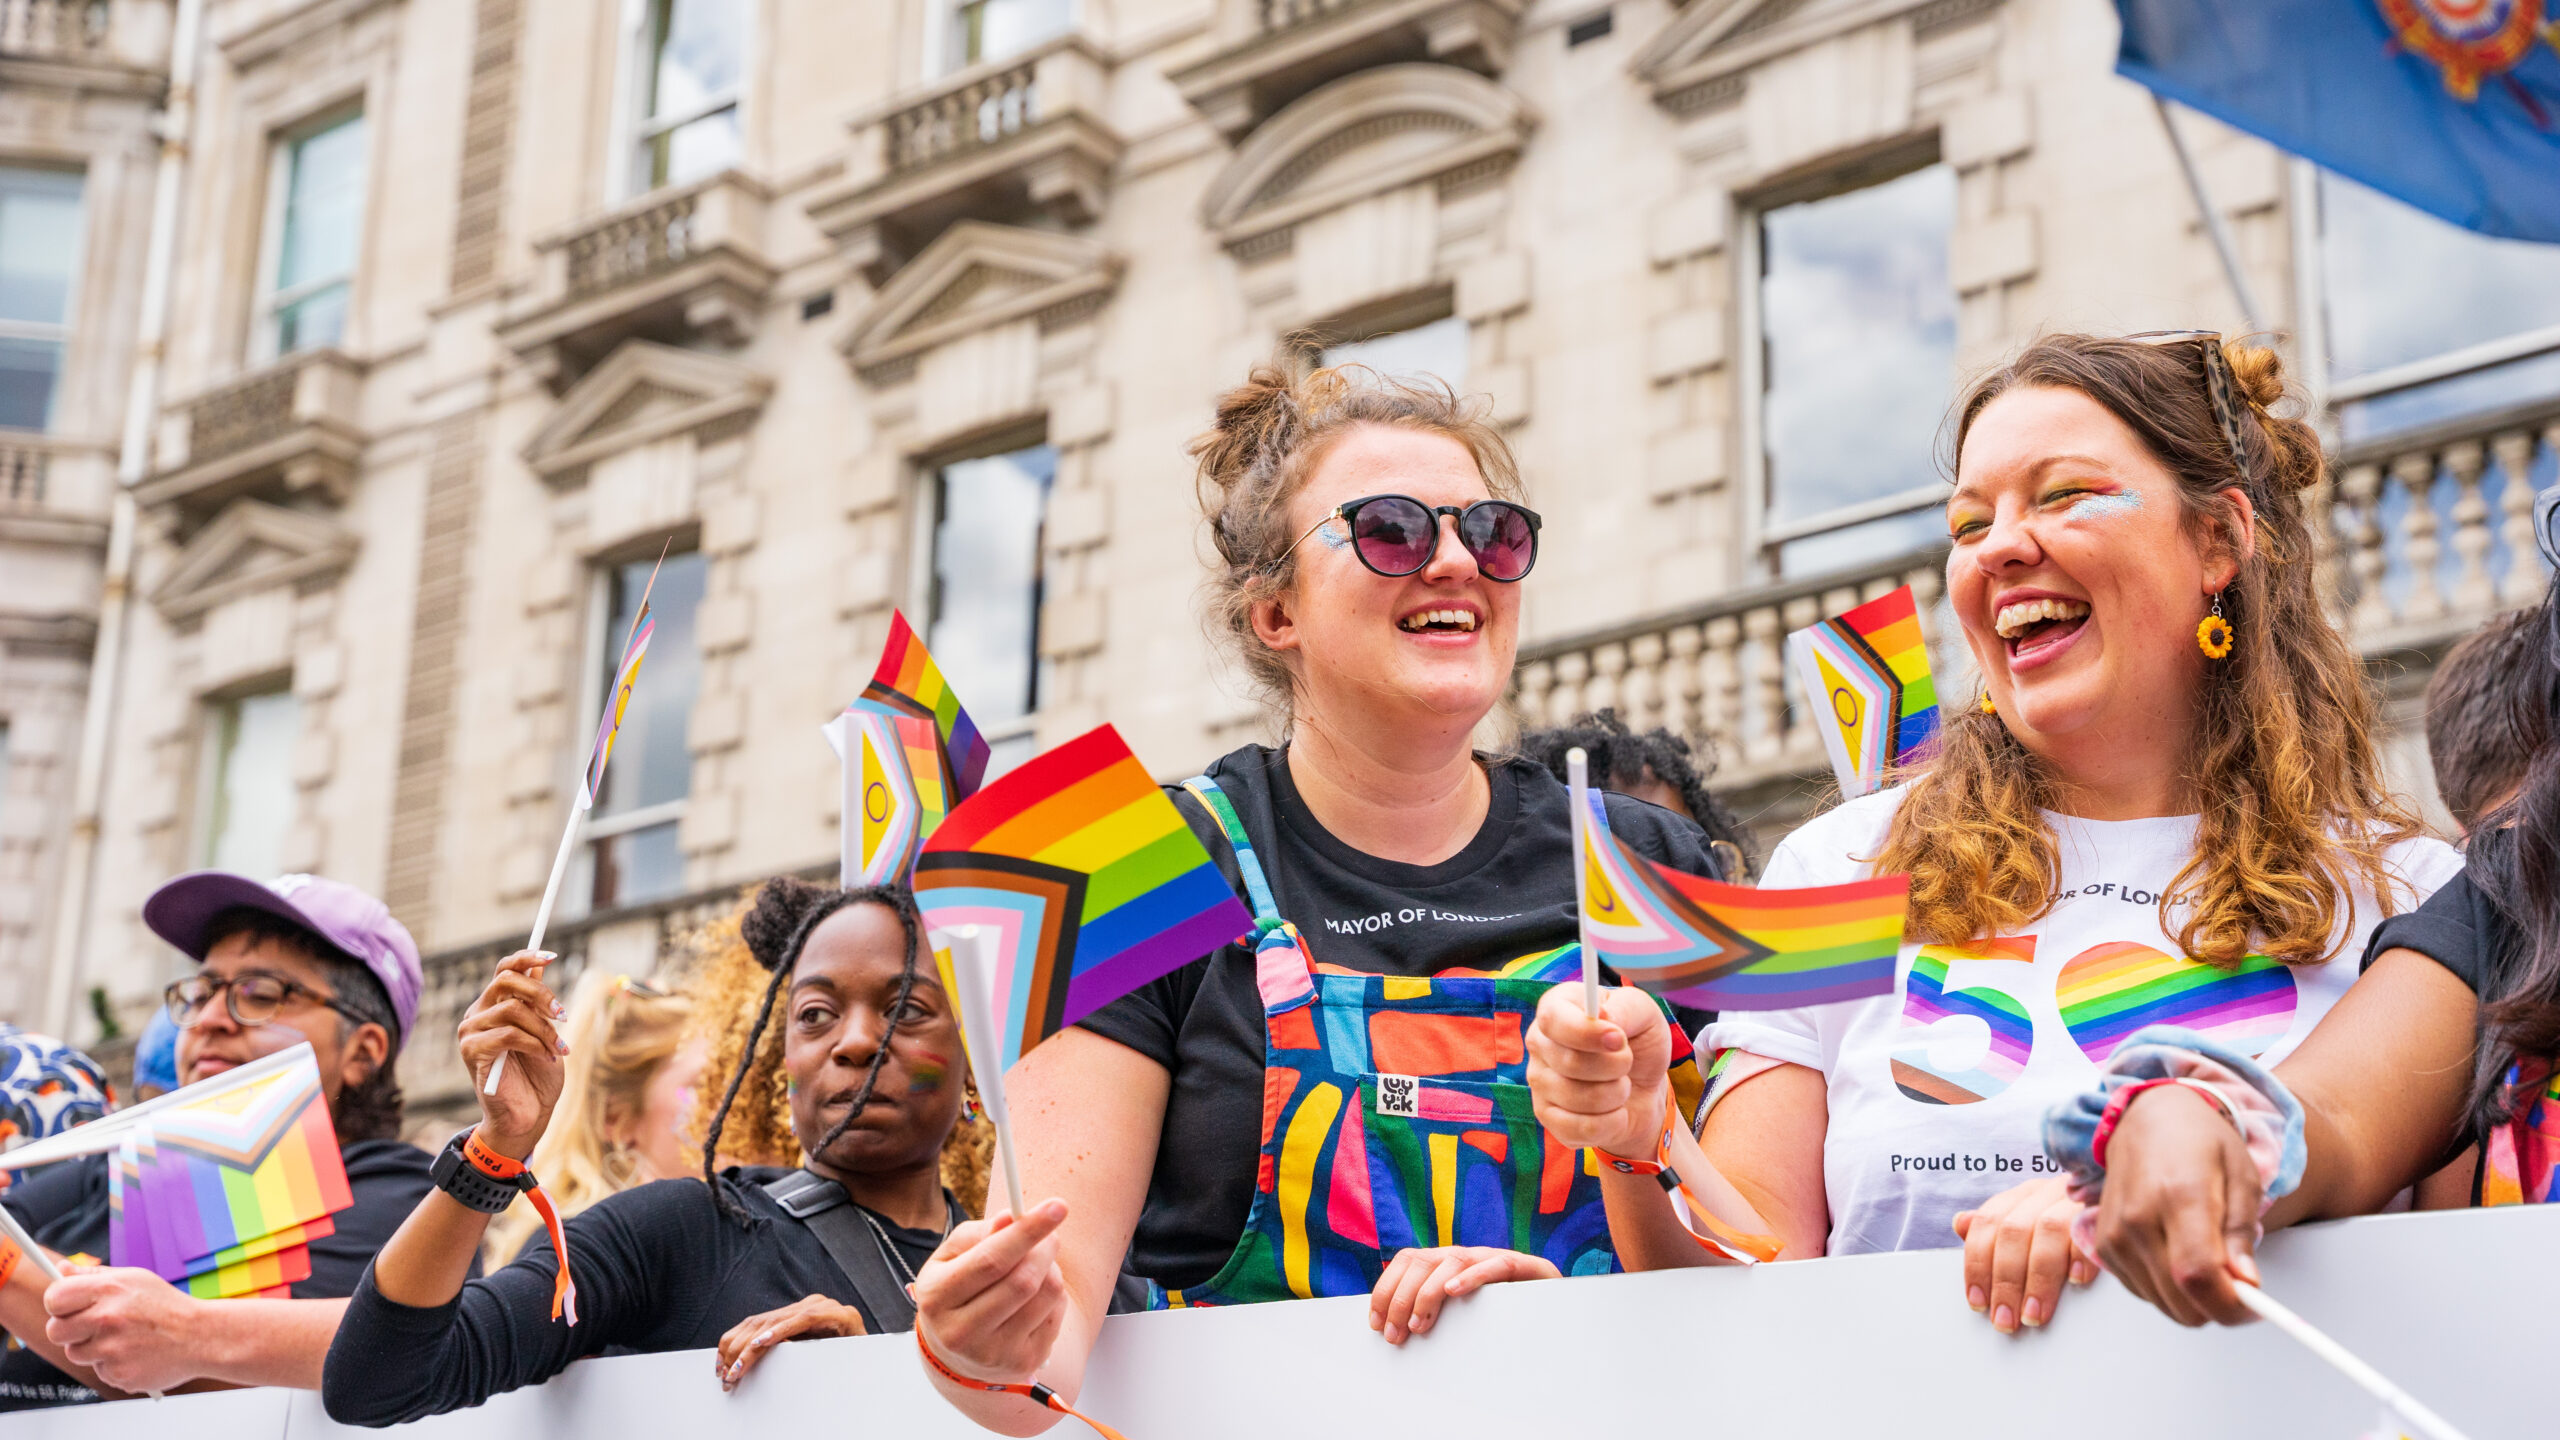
pixel 1938 1091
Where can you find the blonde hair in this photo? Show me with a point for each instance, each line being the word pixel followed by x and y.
pixel 1269 436
pixel 619 1033
pixel 2295 814
pixel 729 990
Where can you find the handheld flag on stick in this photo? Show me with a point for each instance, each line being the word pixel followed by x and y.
pixel 1090 881
pixel 965 956
pixel 909 683
pixel 1866 682
pixel 1577 767
pixel 626 678
pixel 894 789
pixel 1729 947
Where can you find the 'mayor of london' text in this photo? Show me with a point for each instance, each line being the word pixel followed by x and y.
pixel 1388 919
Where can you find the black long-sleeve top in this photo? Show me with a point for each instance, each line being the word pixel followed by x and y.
pixel 657 1267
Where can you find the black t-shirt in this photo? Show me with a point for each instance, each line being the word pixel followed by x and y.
pixel 658 1268
pixel 2460 928
pixel 1509 893
pixel 65 1207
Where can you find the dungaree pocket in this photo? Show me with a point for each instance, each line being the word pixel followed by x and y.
pixel 1462 1162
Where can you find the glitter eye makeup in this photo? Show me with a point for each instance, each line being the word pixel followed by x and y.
pixel 2122 502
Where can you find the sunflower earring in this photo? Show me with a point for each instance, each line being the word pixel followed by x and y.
pixel 1987 707
pixel 2213 633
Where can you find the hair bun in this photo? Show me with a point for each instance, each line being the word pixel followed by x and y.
pixel 2258 371
pixel 770 922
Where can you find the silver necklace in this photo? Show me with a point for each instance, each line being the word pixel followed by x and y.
pixel 889 1247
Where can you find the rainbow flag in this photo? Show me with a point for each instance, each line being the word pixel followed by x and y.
pixel 1729 947
pixel 1866 682
pixel 626 677
pixel 909 683
pixel 1091 880
pixel 223 1191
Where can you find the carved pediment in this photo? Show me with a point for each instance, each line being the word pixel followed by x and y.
pixel 1361 136
pixel 1699 60
pixel 252 546
pixel 642 392
pixel 977 276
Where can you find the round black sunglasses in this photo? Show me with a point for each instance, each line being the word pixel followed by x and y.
pixel 1396 535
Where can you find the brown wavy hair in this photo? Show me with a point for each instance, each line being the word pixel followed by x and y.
pixel 731 989
pixel 2294 812
pixel 1269 435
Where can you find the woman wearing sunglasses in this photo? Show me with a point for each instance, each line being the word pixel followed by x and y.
pixel 2167 809
pixel 1341 1111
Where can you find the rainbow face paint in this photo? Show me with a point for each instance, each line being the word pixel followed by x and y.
pixel 2106 507
pixel 926 1073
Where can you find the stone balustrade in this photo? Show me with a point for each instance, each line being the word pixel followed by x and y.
pixel 1279 15
pixel 54 29
pixel 22 475
pixel 682 262
pixel 976 114
pixel 45 474
pixel 2431 531
pixel 292 427
pixel 630 247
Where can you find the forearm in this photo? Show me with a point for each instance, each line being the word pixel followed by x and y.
pixel 429 1258
pixel 267 1342
pixel 1642 1226
pixel 2382 1082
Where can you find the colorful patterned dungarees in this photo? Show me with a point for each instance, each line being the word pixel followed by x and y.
pixel 2520 1160
pixel 1395 1113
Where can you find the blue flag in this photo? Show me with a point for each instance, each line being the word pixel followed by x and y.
pixel 2450 105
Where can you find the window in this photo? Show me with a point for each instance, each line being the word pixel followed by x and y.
pixel 987 520
pixel 632 832
pixel 1857 320
pixel 993 29
pixel 1434 351
pixel 690 59
pixel 2413 304
pixel 39 246
pixel 316 225
pixel 244 787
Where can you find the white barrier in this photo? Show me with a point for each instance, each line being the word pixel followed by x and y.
pixel 2454 1306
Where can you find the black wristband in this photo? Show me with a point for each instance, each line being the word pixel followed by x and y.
pixel 455 1175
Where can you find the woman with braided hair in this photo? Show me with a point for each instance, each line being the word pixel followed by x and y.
pixel 871 1066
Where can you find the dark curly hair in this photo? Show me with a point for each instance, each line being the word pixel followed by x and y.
pixel 1620 758
pixel 776 928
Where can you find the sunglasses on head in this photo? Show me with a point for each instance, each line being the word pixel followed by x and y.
pixel 1396 535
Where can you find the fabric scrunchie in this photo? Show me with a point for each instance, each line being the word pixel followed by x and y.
pixel 2268 1117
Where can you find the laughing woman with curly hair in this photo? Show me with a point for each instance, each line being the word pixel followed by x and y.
pixel 2167 808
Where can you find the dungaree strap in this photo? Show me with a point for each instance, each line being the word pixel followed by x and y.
pixel 1266 914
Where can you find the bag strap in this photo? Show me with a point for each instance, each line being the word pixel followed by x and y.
pixel 1257 889
pixel 822 1205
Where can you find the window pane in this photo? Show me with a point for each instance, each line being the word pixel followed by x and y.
pixel 639 865
pixel 247 788
pixel 993 29
pixel 694 47
pixel 690 151
pixel 986 580
pixel 2405 286
pixel 319 318
pixel 39 244
pixel 323 206
pixel 1860 327
pixel 652 763
pixel 27 371
pixel 1434 351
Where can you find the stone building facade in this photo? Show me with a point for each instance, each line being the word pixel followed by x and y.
pixel 482 306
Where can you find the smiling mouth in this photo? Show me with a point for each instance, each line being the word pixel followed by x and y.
pixel 2032 624
pixel 1438 622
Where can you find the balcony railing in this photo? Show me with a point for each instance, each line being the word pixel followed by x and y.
pixel 291 427
pixel 50 476
pixel 22 475
pixel 673 265
pixel 1274 51
pixel 54 29
pixel 1004 141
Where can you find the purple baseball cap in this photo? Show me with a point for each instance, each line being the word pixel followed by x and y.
pixel 182 913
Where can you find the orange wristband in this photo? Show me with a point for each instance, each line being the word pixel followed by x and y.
pixel 10 1255
pixel 1035 1391
pixel 487 1161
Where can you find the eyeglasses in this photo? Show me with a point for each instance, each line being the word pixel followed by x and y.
pixel 1396 535
pixel 253 999
pixel 2219 385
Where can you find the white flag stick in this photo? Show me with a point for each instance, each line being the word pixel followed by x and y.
pixel 542 917
pixel 1578 777
pixel 2400 1402
pixel 849 828
pixel 972 972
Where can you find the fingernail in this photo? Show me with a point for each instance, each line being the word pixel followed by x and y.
pixel 2004 1320
pixel 563 1044
pixel 2035 1311
pixel 1975 1298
